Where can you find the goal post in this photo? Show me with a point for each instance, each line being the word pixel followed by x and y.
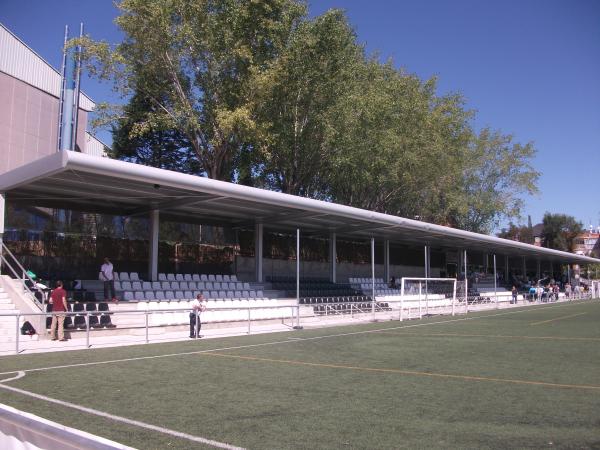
pixel 437 294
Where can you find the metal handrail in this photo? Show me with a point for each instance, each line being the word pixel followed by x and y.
pixel 23 277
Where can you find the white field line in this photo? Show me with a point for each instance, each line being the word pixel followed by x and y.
pixel 287 341
pixel 125 420
pixel 20 374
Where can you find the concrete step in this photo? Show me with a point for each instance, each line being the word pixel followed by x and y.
pixel 7 307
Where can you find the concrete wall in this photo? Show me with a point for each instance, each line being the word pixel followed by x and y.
pixel 29 123
pixel 281 267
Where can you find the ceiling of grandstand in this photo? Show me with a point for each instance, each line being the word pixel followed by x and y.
pixel 87 183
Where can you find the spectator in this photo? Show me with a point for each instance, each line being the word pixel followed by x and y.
pixel 568 290
pixel 198 306
pixel 392 283
pixel 514 294
pixel 58 300
pixel 107 275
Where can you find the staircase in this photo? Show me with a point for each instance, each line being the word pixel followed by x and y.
pixel 7 323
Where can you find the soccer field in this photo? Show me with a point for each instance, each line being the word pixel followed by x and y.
pixel 519 378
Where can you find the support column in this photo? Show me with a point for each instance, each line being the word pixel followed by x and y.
pixel 258 252
pixel 506 270
pixel 539 270
pixel 386 260
pixel 524 267
pixel 153 253
pixel 373 276
pixel 427 268
pixel 495 282
pixel 332 257
pixel 486 263
pixel 2 208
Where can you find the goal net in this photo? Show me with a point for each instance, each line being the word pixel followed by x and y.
pixel 427 296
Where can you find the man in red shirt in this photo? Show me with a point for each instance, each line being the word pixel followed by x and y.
pixel 58 299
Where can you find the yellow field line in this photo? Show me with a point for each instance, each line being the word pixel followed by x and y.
pixel 558 318
pixel 407 372
pixel 553 338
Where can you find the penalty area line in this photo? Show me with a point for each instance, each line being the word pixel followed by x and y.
pixel 125 420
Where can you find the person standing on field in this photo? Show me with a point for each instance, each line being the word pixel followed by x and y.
pixel 198 306
pixel 58 299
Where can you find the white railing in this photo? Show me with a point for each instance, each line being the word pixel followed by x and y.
pixel 18 272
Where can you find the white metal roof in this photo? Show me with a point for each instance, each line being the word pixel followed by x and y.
pixel 83 182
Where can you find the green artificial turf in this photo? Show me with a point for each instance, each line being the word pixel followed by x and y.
pixel 526 378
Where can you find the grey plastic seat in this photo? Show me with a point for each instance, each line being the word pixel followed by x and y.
pixel 118 286
pixel 214 294
pixel 149 295
pixel 183 285
pixel 200 285
pixel 165 285
pixel 211 277
pixel 178 277
pixel 169 295
pixel 195 277
pixel 128 295
pixel 159 295
pixel 229 294
pixel 133 276
pixel 139 295
pixel 162 277
pixel 238 294
pixel 233 278
pixel 252 294
pixel 126 286
pixel 206 294
pixel 232 285
pixel 174 285
pixel 245 294
pixel 203 277
pixel 187 277
pixel 217 285
pixel 247 286
pixel 136 285
pixel 188 295
pixel 208 286
pixel 260 294
pixel 179 295
pixel 219 278
pixel 170 277
pixel 225 277
pixel 146 286
pixel 222 294
pixel 156 286
pixel 124 276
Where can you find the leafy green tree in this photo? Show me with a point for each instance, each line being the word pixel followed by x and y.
pixel 193 61
pixel 560 231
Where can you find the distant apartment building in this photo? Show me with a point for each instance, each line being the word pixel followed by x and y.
pixel 588 243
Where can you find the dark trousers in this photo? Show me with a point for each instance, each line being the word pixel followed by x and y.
pixel 109 286
pixel 193 331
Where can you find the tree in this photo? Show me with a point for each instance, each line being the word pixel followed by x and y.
pixel 193 61
pixel 293 102
pixel 560 231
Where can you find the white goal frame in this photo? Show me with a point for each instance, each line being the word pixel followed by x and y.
pixel 423 281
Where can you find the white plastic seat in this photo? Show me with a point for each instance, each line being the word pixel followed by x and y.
pixel 232 285
pixel 127 295
pixel 178 277
pixel 192 285
pixel 162 277
pixel 124 276
pixel 139 295
pixel 239 285
pixel 247 286
pixel 200 285
pixel 126 286
pixel 147 286
pixel 156 286
pixel 208 286
pixel 169 295
pixel 183 285
pixel 159 295
pixel 233 278
pixel 195 277
pixel 225 277
pixel 252 294
pixel 179 295
pixel 136 285
pixel 165 285
pixel 188 294
pixel 238 294
pixel 217 285
pixel 187 277
pixel 229 294
pixel 203 277
pixel 174 285
pixel 259 294
pixel 211 277
pixel 222 294
pixel 214 294
pixel 133 276
pixel 245 294
pixel 149 295
pixel 219 278
pixel 170 277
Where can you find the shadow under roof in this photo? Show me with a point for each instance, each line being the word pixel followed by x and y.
pixel 87 183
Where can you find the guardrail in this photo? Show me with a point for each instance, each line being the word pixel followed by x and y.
pixel 23 277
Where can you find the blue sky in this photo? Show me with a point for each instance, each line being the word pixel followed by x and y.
pixel 530 68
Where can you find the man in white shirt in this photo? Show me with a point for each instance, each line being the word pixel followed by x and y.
pixel 198 306
pixel 107 275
